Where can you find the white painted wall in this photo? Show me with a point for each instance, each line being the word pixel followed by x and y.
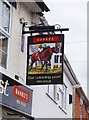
pixel 44 107
pixel 16 59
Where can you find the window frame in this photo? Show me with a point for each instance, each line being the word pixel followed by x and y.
pixel 54 96
pixel 7 34
pixel 64 97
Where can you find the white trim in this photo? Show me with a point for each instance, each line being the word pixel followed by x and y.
pixel 51 97
pixel 8 33
pixel 53 91
pixel 4 32
pixel 8 49
pixel 63 93
pixel 6 2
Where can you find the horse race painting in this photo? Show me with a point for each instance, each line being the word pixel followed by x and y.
pixel 45 59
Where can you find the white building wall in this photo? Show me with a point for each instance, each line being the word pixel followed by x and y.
pixel 45 107
pixel 18 58
pixel 16 64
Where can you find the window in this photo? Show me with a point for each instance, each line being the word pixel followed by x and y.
pixel 4 32
pixel 51 91
pixel 61 96
pixel 3 50
pixel 4 16
pixel 56 58
pixel 58 93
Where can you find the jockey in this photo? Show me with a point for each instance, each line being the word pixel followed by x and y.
pixel 39 50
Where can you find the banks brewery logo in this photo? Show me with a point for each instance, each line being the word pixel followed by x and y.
pixel 3 87
pixel 47 39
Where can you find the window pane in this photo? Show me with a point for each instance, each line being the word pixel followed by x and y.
pixel 4 23
pixel 51 90
pixel 64 98
pixel 56 58
pixel 57 96
pixel 61 96
pixel 1 4
pixel 3 50
pixel 4 43
pixel 3 59
pixel 6 16
pixel 60 99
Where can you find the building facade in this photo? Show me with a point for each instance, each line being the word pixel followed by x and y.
pixel 13 56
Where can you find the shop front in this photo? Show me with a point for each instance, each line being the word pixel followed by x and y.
pixel 15 99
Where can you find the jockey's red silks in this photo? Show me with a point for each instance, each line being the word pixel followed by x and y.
pixel 44 55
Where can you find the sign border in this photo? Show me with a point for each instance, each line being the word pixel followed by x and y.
pixel 28 41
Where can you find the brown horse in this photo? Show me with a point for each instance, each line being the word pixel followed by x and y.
pixel 44 55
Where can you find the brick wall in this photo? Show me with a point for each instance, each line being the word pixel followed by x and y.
pixel 84 111
pixel 77 107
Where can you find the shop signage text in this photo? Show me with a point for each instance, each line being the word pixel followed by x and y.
pixel 3 87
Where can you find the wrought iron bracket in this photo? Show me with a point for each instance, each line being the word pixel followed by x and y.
pixel 44 29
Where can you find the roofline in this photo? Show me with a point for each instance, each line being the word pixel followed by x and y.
pixel 43 6
pixel 40 4
pixel 70 69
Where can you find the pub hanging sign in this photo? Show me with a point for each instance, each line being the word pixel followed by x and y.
pixel 45 59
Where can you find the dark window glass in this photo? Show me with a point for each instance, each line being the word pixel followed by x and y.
pixel 3 50
pixel 56 58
